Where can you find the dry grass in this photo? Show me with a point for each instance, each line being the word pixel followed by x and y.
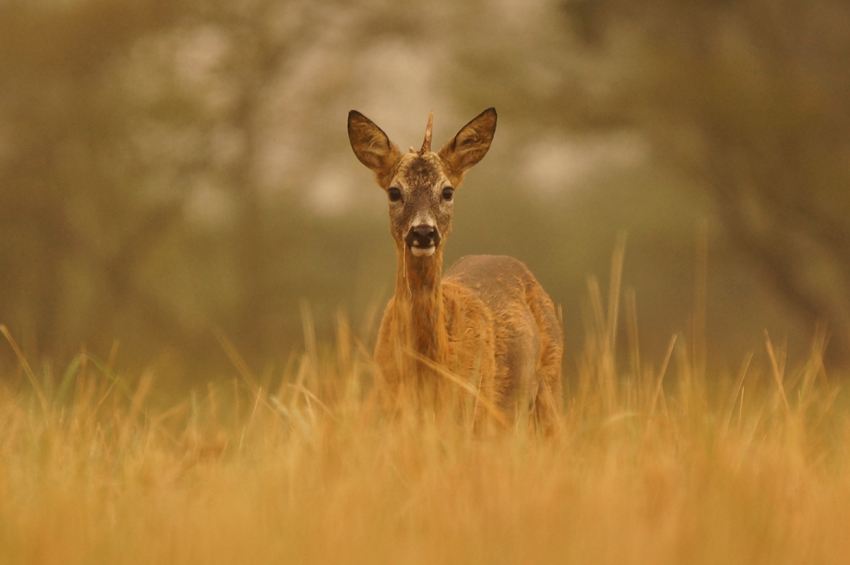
pixel 655 465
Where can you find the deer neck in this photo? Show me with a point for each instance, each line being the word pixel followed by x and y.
pixel 420 297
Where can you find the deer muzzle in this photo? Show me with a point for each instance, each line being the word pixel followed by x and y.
pixel 423 240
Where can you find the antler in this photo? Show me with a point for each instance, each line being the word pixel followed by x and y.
pixel 426 145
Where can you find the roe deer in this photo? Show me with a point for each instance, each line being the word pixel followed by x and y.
pixel 488 322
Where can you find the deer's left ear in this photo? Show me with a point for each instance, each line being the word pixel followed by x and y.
pixel 470 144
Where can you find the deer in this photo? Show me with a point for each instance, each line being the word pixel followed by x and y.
pixel 487 326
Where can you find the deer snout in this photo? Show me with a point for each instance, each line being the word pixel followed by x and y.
pixel 422 239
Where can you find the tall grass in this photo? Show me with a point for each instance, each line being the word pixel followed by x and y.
pixel 657 463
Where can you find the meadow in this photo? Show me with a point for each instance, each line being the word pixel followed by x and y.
pixel 172 167
pixel 656 462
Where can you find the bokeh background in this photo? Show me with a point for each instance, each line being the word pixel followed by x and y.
pixel 173 170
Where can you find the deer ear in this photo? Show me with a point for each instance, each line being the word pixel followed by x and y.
pixel 371 145
pixel 470 144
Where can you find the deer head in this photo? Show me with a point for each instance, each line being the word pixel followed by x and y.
pixel 420 184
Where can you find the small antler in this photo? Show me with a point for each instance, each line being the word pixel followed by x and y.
pixel 426 145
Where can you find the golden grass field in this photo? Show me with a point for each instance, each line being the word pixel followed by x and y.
pixel 657 463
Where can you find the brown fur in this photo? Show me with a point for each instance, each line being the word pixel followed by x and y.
pixel 488 323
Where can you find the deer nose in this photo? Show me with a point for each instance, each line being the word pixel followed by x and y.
pixel 423 236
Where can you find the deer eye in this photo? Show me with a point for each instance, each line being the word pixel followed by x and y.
pixel 394 194
pixel 448 193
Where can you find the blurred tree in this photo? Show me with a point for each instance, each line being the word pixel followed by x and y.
pixel 134 145
pixel 749 99
pixel 63 148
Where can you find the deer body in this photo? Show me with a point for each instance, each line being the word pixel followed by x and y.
pixel 488 322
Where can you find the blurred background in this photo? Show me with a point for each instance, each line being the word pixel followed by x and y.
pixel 170 169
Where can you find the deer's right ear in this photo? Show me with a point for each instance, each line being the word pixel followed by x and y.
pixel 371 145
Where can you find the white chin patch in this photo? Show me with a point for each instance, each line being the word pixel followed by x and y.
pixel 423 252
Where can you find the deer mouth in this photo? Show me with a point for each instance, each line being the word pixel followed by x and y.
pixel 423 251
